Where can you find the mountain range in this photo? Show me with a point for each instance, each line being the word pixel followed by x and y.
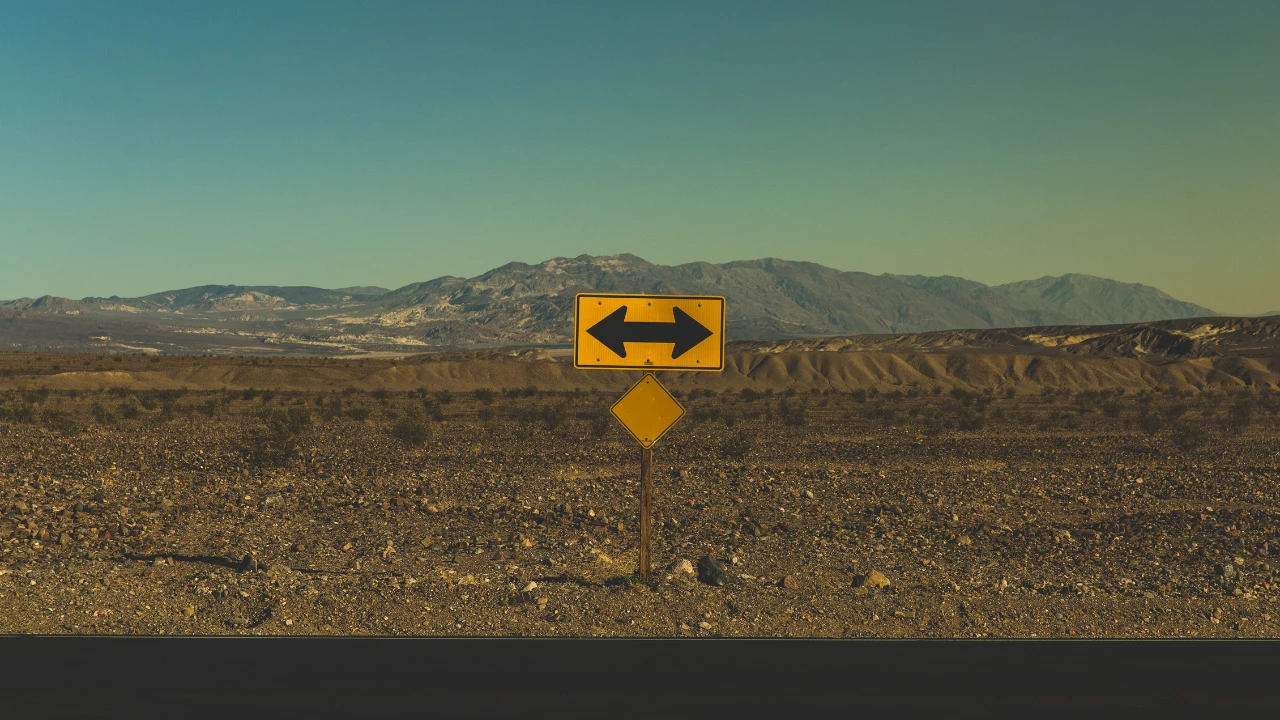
pixel 525 305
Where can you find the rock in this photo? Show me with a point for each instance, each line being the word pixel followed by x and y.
pixel 711 572
pixel 249 564
pixel 529 587
pixel 238 621
pixel 603 559
pixel 789 582
pixel 21 507
pixel 1226 571
pixel 964 540
pixel 78 507
pixel 808 494
pixel 681 567
pixel 189 611
pixel 1061 536
pixel 873 579
pixel 705 625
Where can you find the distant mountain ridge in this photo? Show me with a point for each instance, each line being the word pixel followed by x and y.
pixel 522 304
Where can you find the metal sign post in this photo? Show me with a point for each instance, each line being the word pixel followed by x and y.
pixel 646 509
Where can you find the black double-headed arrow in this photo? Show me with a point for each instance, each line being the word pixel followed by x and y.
pixel 615 332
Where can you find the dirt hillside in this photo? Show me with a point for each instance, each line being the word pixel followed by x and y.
pixel 843 371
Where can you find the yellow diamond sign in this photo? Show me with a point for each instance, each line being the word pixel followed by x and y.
pixel 647 410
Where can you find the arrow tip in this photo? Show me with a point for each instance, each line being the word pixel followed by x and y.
pixel 610 331
pixel 689 333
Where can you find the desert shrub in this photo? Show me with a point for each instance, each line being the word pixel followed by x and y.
pixel 599 425
pixel 167 410
pixel 61 422
pixel 24 413
pixel 129 409
pixel 148 400
pixel 380 395
pixel 1240 414
pixel 485 414
pixel 444 397
pixel 330 409
pixel 859 396
pixel 552 416
pixel 750 395
pixel 1087 401
pixel 359 413
pixel 791 392
pixel 210 407
pixel 433 409
pixel 294 420
pixel 961 396
pixel 792 414
pixel 485 396
pixel 277 441
pixel 267 395
pixel 1149 422
pixel 167 395
pixel 737 445
pixel 1175 411
pixel 155 359
pixel 411 431
pixel 968 419
pixel 1188 436
pixel 35 396
pixel 1112 409
pixel 704 414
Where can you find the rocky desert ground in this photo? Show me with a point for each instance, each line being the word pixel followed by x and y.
pixel 941 508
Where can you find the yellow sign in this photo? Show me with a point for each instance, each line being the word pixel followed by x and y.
pixel 647 410
pixel 669 332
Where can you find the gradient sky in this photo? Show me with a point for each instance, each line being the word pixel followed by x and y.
pixel 146 146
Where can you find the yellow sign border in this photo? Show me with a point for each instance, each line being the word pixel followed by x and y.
pixel 577 304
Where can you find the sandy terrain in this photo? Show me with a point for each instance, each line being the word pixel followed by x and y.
pixel 370 512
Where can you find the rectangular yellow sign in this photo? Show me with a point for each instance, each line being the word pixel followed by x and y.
pixel 669 332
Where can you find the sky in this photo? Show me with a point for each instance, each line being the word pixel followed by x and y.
pixel 147 146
